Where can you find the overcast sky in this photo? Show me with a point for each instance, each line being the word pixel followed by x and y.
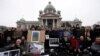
pixel 88 11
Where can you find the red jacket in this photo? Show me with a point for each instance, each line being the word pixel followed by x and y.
pixel 74 43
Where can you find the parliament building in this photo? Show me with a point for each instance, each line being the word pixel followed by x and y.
pixel 50 18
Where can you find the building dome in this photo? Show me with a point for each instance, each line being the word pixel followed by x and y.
pixel 76 20
pixel 98 23
pixel 49 7
pixel 22 20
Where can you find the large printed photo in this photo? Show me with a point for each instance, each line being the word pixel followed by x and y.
pixel 35 36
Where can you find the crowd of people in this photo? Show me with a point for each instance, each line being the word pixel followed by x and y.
pixel 77 40
pixel 13 38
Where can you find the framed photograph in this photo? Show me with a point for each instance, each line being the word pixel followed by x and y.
pixel 35 36
pixel 36 47
pixel 14 52
pixel 53 42
pixel 10 53
pixel 47 36
pixel 5 54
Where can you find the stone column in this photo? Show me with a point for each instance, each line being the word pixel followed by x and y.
pixel 18 25
pixel 46 22
pixel 53 23
pixel 27 26
pixel 41 22
pixel 22 26
pixel 57 23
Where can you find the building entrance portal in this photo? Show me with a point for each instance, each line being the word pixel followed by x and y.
pixel 50 23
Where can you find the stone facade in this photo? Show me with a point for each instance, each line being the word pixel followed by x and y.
pixel 49 18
